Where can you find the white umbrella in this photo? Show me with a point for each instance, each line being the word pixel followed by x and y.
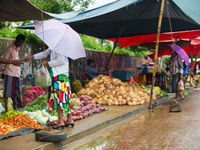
pixel 60 38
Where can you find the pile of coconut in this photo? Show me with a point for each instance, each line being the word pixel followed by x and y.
pixel 110 91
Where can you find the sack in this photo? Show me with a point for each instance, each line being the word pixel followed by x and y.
pixel 32 94
pixel 42 77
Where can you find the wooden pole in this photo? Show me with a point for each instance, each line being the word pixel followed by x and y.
pixel 107 64
pixel 156 52
pixel 121 30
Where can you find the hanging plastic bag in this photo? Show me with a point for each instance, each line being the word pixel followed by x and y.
pixel 42 77
pixel 181 86
pixel 1 108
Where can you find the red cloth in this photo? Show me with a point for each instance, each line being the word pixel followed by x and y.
pixel 195 66
pixel 141 39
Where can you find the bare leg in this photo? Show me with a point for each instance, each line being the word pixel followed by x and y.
pixel 177 95
pixel 60 117
pixel 14 104
pixel 6 104
pixel 69 118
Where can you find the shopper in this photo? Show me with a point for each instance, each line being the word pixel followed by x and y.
pixel 59 92
pixel 11 72
pixel 176 71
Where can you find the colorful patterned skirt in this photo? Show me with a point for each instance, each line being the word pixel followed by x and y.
pixel 60 94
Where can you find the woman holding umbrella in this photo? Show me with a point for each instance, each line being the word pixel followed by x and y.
pixel 59 92
pixel 63 43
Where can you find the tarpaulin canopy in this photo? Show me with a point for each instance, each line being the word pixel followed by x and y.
pixel 136 17
pixel 20 10
pixel 189 49
pixel 140 39
pixel 165 44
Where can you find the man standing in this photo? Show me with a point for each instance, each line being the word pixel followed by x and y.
pixel 11 73
pixel 8 61
pixel 176 70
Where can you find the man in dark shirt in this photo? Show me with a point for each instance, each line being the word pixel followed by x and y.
pixel 91 71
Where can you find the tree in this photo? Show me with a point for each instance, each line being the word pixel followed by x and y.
pixel 60 6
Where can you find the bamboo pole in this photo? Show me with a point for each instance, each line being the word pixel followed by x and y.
pixel 156 52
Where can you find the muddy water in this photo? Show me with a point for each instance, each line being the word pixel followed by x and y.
pixel 160 130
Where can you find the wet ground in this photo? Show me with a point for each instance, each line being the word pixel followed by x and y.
pixel 82 129
pixel 159 130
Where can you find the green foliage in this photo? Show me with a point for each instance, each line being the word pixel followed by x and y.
pixel 166 60
pixel 88 42
pixel 60 6
pixel 7 30
pixel 37 104
pixel 139 50
pixel 107 46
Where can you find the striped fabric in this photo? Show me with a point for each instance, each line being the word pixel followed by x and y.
pixel 60 94
pixel 12 89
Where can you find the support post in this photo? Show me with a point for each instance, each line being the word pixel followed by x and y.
pixel 121 30
pixel 106 66
pixel 156 52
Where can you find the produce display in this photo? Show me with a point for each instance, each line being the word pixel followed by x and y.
pixel 10 113
pixel 40 116
pixel 10 106
pixel 16 122
pixel 77 86
pixel 5 128
pixel 88 108
pixel 36 109
pixel 110 91
pixel 37 104
pixel 157 92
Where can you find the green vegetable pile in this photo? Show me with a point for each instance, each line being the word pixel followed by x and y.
pixel 40 104
pixel 186 94
pixel 10 113
pixel 37 104
pixel 162 92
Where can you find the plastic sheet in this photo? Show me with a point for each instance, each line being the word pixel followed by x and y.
pixel 18 132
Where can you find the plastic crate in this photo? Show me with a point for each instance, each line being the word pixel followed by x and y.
pixel 122 75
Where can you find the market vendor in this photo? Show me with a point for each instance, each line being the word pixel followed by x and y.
pixel 9 61
pixel 149 71
pixel 91 68
pixel 11 72
pixel 59 92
